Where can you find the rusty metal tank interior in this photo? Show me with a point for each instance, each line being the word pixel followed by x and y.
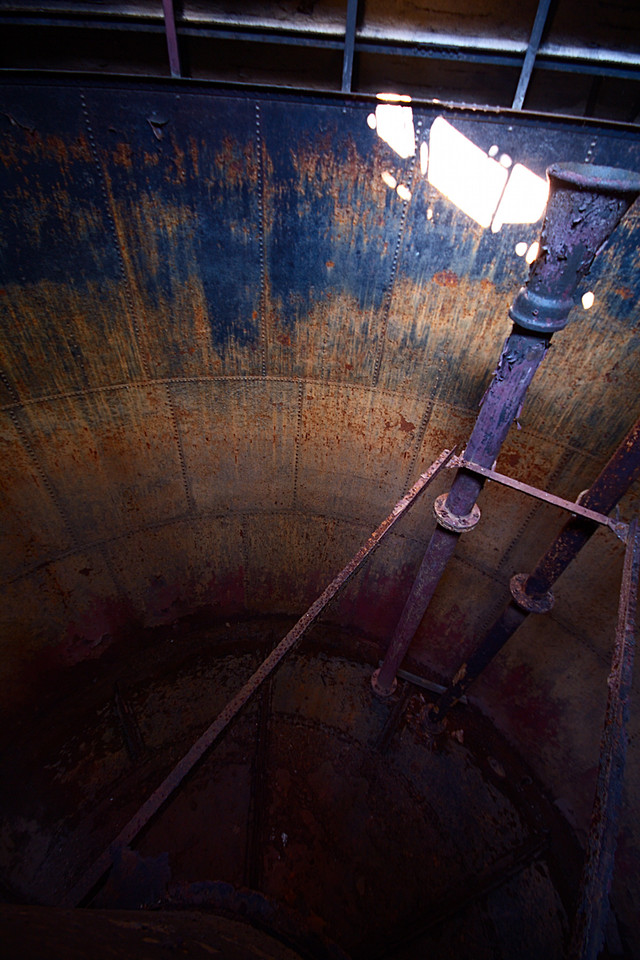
pixel 320 446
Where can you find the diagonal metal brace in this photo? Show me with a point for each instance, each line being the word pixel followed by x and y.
pixel 89 880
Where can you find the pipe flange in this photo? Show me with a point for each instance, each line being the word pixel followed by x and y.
pixel 540 314
pixel 541 604
pixel 451 521
pixel 382 691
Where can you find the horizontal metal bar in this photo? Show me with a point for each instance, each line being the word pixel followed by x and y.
pixel 622 65
pixel 617 526
pixel 421 682
pixel 170 784
pixel 592 68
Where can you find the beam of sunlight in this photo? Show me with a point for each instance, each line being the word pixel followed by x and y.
pixel 394 124
pixel 588 300
pixel 393 97
pixel 532 252
pixel 464 173
pixel 424 158
pixel 524 199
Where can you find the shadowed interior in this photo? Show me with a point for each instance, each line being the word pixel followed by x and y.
pixel 229 346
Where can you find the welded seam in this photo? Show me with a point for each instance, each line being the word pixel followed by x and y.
pixel 244 553
pixel 108 562
pixel 536 508
pixel 46 482
pixel 481 568
pixel 114 233
pixel 386 313
pixel 298 440
pixel 17 403
pixel 578 634
pixel 422 429
pixel 208 516
pixel 496 609
pixel 181 457
pixel 274 378
pixel 261 244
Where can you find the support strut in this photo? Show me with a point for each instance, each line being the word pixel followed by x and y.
pixel 585 205
pixel 532 594
pixel 593 901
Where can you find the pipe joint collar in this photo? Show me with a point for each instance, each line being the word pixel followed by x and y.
pixel 532 604
pixel 539 314
pixel 452 521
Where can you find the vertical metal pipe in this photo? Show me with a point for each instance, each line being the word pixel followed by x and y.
pixel 585 205
pixel 532 594
pixel 593 902
pixel 521 356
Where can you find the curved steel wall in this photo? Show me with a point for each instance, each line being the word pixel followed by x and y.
pixel 229 345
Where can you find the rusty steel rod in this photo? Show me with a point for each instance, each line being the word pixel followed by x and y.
pixel 593 900
pixel 89 880
pixel 585 205
pixel 172 37
pixel 532 594
pixel 575 507
pixel 520 359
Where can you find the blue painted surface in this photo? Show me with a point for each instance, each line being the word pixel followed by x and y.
pixel 279 222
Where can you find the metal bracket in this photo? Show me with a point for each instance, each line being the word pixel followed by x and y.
pixel 452 521
pixel 616 526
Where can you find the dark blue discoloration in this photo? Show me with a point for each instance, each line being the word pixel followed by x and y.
pixel 166 201
pixel 335 232
pixel 199 170
pixel 53 217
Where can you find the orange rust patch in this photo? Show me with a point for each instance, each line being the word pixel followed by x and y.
pixel 446 278
pixel 624 292
pixel 193 153
pixel 406 425
pixel 122 155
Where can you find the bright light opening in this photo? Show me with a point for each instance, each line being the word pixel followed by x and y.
pixel 532 252
pixel 524 199
pixel 588 300
pixel 424 158
pixel 505 160
pixel 393 97
pixel 429 214
pixel 521 248
pixel 464 173
pixel 395 126
pixel 371 121
pixel 493 151
pixel 389 179
pixel 403 192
